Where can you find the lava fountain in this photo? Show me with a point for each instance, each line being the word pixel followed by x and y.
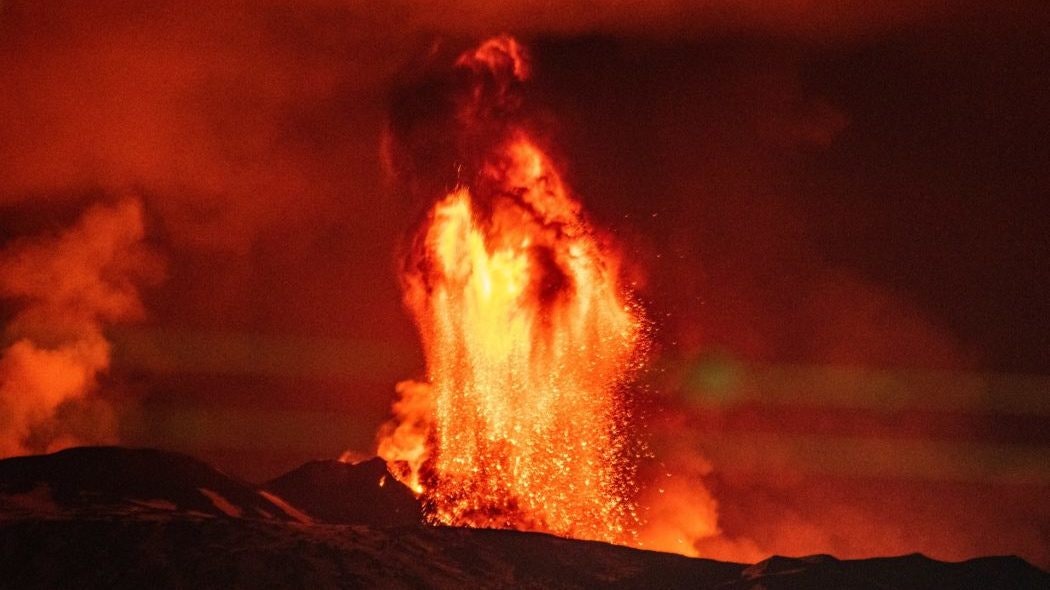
pixel 528 335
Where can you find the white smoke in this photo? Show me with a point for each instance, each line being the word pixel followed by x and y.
pixel 68 287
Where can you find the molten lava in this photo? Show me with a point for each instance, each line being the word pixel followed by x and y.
pixel 528 336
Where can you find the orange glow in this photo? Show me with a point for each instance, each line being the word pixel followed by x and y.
pixel 528 339
pixel 71 287
pixel 495 53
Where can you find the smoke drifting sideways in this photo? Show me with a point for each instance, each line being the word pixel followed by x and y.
pixel 69 287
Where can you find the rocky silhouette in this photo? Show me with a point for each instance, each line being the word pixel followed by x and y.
pixel 109 517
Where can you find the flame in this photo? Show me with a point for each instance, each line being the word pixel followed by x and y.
pixel 528 338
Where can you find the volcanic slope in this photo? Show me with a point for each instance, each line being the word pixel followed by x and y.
pixel 85 481
pixel 349 493
pixel 136 518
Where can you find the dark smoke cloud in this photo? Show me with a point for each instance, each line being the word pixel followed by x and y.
pixel 735 267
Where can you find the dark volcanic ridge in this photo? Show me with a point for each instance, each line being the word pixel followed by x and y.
pixel 345 493
pixel 110 517
pixel 117 480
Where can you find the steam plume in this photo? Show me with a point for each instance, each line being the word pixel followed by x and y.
pixel 70 286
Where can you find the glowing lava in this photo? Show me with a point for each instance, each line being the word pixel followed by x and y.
pixel 528 338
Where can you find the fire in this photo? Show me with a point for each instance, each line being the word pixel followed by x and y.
pixel 528 337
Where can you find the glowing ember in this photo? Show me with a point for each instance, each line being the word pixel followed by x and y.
pixel 528 338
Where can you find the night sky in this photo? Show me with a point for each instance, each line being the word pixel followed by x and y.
pixel 836 215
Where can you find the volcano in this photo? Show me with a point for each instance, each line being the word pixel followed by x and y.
pixel 344 493
pixel 119 481
pixel 112 517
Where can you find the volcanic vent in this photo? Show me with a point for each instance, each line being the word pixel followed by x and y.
pixel 528 334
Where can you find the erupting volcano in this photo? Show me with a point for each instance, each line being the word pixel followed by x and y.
pixel 528 333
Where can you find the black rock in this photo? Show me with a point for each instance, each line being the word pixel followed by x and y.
pixel 117 480
pixel 132 552
pixel 107 517
pixel 908 572
pixel 344 493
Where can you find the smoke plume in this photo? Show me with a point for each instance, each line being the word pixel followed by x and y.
pixel 69 287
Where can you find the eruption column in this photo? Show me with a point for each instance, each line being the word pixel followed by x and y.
pixel 528 338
